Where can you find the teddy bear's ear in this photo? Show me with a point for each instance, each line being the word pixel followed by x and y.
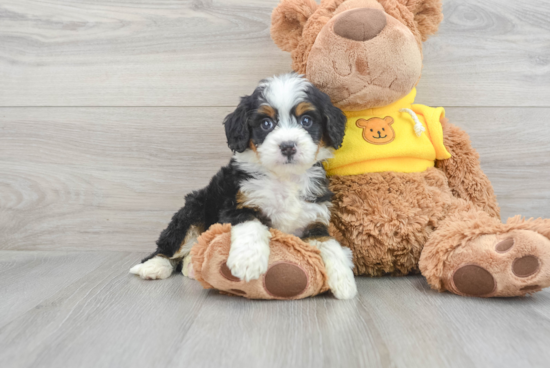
pixel 288 20
pixel 427 15
pixel 388 120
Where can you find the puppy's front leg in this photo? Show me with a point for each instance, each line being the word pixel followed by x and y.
pixel 339 267
pixel 249 252
pixel 337 259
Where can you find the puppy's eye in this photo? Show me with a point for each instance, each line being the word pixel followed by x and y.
pixel 306 121
pixel 266 125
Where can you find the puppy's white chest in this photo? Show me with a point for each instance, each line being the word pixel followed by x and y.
pixel 284 204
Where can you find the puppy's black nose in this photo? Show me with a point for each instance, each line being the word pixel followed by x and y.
pixel 288 149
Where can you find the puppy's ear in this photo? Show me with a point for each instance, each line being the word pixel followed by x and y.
pixel 288 20
pixel 236 126
pixel 335 125
pixel 334 120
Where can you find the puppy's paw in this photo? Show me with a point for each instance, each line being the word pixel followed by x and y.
pixel 249 253
pixel 339 266
pixel 157 268
pixel 341 280
pixel 187 267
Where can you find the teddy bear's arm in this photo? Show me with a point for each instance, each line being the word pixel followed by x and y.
pixel 466 179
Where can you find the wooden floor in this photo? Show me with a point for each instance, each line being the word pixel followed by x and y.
pixel 111 110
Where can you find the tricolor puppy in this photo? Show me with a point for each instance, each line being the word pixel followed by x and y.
pixel 279 135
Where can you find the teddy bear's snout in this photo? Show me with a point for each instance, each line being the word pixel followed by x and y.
pixel 360 24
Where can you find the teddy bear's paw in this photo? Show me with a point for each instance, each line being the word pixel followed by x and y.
pixel 294 270
pixel 157 268
pixel 512 264
pixel 249 253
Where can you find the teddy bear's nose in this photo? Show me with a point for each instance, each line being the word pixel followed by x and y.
pixel 360 24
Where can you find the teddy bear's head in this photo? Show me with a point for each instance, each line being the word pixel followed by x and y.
pixel 362 53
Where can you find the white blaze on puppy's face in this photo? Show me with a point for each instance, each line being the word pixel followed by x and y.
pixel 271 157
pixel 284 92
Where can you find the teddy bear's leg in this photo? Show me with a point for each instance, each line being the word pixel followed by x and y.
pixel 474 254
pixel 295 269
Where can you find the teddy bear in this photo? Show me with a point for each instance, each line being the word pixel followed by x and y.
pixel 410 196
pixel 409 193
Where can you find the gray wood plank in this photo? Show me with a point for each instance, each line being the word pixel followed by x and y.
pixel 395 322
pixel 489 53
pixel 28 278
pixel 110 178
pixel 441 329
pixel 135 52
pixel 318 332
pixel 207 53
pixel 108 318
pixel 102 179
pixel 515 155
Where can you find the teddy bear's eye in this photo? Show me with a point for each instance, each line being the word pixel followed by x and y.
pixel 383 129
pixel 371 130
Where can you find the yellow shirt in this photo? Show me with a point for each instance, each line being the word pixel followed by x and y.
pixel 384 139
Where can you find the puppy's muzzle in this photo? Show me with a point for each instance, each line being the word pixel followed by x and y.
pixel 288 149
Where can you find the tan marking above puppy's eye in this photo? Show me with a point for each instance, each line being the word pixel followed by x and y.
pixel 267 110
pixel 304 107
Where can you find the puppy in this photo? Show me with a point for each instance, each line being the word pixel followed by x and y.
pixel 280 135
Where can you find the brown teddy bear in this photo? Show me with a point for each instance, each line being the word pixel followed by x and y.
pixel 410 195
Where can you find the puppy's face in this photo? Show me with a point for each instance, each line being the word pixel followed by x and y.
pixel 286 125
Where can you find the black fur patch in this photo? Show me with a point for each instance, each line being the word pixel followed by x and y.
pixel 217 203
pixel 321 183
pixel 316 230
pixel 333 119
pixel 237 124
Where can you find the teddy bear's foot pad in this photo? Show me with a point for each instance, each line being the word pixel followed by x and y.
pixel 285 280
pixel 282 280
pixel 513 264
pixel 474 280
